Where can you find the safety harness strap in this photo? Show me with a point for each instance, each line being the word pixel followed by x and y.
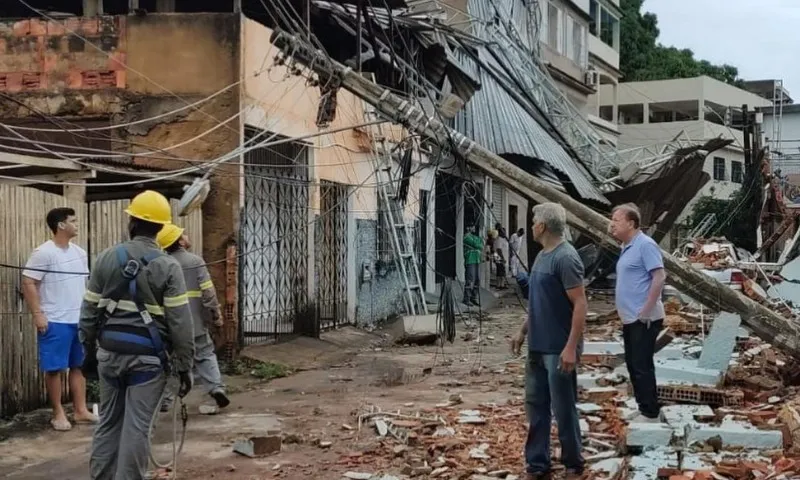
pixel 130 271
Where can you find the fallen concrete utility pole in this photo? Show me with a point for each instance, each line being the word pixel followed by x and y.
pixel 765 323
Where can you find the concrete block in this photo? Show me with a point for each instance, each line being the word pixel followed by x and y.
pixel 601 394
pixel 681 415
pixel 603 348
pixel 645 466
pixel 584 425
pixel 686 372
pixel 627 414
pixel 589 408
pixel 609 466
pixel 649 435
pixel 735 434
pixel 416 329
pixel 258 446
pixel 673 352
pixel 589 380
pixel 720 342
pixel 743 334
pixel 693 351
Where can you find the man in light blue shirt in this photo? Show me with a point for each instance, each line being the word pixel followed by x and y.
pixel 640 280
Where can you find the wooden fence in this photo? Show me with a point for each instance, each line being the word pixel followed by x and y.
pixel 108 225
pixel 23 228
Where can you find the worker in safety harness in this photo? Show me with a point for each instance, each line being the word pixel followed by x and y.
pixel 205 312
pixel 137 312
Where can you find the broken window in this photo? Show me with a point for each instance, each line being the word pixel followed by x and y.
pixel 719 169
pixel 737 172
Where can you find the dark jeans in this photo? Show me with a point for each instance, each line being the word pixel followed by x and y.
pixel 471 283
pixel 640 345
pixel 548 389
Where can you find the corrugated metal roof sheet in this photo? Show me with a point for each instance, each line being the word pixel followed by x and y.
pixel 495 119
pixel 498 122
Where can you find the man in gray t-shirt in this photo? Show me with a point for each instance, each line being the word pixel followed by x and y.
pixel 556 317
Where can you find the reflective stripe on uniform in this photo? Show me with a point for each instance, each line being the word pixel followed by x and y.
pixel 194 294
pixel 129 306
pixel 92 297
pixel 171 302
pixel 206 285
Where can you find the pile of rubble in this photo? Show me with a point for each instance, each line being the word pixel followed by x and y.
pixel 730 410
pixel 729 414
pixel 713 253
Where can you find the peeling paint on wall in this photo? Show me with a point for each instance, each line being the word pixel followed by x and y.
pixel 38 54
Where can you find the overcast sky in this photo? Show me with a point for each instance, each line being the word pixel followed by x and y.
pixel 759 37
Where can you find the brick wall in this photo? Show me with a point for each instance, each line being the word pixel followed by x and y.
pixel 76 54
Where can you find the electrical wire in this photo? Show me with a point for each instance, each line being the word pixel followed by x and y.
pixel 135 122
pixel 200 168
pixel 128 68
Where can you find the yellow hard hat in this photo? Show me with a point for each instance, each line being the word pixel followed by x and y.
pixel 169 235
pixel 151 207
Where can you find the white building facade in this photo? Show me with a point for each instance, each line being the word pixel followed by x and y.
pixel 699 109
pixel 580 42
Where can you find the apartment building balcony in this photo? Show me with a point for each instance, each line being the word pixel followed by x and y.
pixel 604 52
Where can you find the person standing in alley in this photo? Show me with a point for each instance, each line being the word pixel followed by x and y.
pixel 53 285
pixel 136 329
pixel 515 244
pixel 557 309
pixel 205 311
pixel 501 258
pixel 640 280
pixel 473 249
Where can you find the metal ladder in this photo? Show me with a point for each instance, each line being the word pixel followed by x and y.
pixel 402 241
pixel 705 226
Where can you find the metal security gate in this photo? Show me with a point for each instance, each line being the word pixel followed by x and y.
pixel 331 254
pixel 273 268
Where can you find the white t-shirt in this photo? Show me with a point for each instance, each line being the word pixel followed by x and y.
pixel 60 294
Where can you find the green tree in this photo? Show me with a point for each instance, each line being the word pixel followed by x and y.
pixel 735 218
pixel 643 58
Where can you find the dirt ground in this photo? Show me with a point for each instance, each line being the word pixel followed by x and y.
pixel 320 404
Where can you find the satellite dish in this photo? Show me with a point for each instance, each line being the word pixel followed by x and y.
pixel 193 196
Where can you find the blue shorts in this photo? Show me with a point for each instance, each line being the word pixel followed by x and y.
pixel 59 347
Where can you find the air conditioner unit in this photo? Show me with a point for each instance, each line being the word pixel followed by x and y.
pixel 592 78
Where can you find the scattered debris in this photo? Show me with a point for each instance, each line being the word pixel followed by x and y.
pixel 258 446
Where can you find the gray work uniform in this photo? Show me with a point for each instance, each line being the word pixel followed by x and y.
pixel 204 306
pixel 120 447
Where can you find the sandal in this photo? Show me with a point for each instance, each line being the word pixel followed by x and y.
pixel 91 419
pixel 61 425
